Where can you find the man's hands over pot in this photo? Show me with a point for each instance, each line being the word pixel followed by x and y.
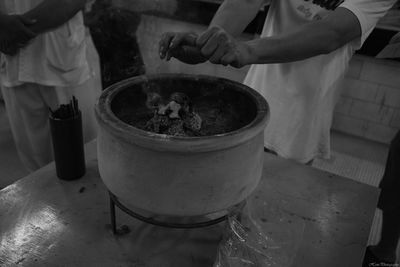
pixel 14 33
pixel 219 47
pixel 182 46
pixel 215 45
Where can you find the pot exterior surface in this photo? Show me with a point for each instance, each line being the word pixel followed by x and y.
pixel 174 175
pixel 179 184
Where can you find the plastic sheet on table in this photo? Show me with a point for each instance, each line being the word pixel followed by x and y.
pixel 260 234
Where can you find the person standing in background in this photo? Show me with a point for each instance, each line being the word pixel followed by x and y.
pixel 384 252
pixel 47 57
pixel 298 63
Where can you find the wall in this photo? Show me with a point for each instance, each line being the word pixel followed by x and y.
pixel 369 106
pixel 370 103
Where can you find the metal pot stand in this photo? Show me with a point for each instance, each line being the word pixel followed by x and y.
pixel 114 202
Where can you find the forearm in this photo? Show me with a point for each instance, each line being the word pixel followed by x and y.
pixel 234 15
pixel 312 39
pixel 294 46
pixel 51 14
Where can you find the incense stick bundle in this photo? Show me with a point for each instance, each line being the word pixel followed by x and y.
pixel 66 111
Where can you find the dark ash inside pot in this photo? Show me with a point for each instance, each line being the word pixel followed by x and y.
pixel 184 107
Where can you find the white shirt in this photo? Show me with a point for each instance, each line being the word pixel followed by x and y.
pixel 54 58
pixel 302 94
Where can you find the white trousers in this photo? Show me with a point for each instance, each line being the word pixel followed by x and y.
pixel 28 106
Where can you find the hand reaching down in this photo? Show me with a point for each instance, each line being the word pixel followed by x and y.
pixel 181 46
pixel 215 45
pixel 219 47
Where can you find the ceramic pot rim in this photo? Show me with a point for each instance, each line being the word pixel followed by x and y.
pixel 132 135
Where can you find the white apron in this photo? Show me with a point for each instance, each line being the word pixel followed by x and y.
pixel 45 74
pixel 54 58
pixel 302 94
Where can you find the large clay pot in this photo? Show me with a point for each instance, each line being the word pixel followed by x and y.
pixel 180 176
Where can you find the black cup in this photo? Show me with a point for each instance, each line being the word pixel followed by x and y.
pixel 68 148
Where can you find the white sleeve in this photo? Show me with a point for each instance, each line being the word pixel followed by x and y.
pixel 368 13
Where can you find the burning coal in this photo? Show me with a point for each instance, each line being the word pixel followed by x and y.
pixel 175 117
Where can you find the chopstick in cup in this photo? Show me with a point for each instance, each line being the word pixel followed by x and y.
pixel 75 104
pixel 71 105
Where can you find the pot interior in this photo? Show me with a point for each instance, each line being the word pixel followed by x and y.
pixel 223 106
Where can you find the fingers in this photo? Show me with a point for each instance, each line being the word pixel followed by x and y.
pixel 27 21
pixel 214 43
pixel 203 38
pixel 28 34
pixel 188 54
pixel 219 47
pixel 225 45
pixel 228 59
pixel 174 44
pixel 178 41
pixel 210 46
pixel 217 55
pixel 164 44
pixel 171 41
pixel 181 48
pixel 190 39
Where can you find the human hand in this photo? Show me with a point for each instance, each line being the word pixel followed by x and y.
pixel 181 46
pixel 14 33
pixel 328 4
pixel 221 48
pixel 7 48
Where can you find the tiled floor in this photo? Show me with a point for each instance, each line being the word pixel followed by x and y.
pixel 360 160
pixel 352 157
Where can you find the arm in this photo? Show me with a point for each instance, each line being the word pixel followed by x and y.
pixel 14 33
pixel 309 40
pixel 313 39
pixel 51 14
pixel 234 15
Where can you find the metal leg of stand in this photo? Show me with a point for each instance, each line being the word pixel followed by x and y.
pixel 114 202
pixel 112 214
